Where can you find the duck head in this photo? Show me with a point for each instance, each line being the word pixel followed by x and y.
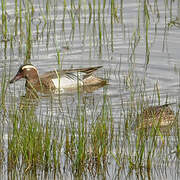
pixel 27 71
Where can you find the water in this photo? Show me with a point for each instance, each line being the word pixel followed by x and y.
pixel 137 55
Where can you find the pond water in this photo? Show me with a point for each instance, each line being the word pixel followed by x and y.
pixel 137 43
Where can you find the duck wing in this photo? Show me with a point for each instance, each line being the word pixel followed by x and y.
pixel 73 74
pixel 81 73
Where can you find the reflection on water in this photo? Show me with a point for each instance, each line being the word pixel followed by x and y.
pixel 137 43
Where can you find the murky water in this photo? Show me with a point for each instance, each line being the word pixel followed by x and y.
pixel 139 53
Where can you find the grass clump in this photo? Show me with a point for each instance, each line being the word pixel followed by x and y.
pixel 87 148
pixel 32 146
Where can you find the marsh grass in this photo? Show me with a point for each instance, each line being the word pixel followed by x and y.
pixel 32 146
pixel 84 146
pixel 28 18
pixel 4 19
pixel 145 148
pixel 87 147
pixel 3 88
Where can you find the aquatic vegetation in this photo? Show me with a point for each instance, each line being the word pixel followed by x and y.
pixel 95 133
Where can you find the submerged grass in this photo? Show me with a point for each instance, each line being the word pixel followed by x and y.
pixel 84 146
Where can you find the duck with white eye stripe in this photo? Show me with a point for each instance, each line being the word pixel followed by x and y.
pixel 53 81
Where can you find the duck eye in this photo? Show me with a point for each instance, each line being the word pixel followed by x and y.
pixel 20 70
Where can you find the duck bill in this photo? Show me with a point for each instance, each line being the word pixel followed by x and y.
pixel 16 78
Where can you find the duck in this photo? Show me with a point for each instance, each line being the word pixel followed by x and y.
pixel 153 116
pixel 58 80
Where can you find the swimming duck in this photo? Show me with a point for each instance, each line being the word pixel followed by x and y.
pixel 53 81
pixel 153 116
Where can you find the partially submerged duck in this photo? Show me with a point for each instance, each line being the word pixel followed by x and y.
pixel 58 81
pixel 156 116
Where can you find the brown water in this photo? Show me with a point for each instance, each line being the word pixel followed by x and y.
pixel 122 52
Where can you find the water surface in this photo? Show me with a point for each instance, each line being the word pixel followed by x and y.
pixel 139 52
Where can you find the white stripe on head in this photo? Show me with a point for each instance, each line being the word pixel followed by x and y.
pixel 28 66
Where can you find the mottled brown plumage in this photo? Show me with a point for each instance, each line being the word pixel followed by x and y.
pixel 156 116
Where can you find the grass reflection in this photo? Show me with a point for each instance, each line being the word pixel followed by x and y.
pixel 88 141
